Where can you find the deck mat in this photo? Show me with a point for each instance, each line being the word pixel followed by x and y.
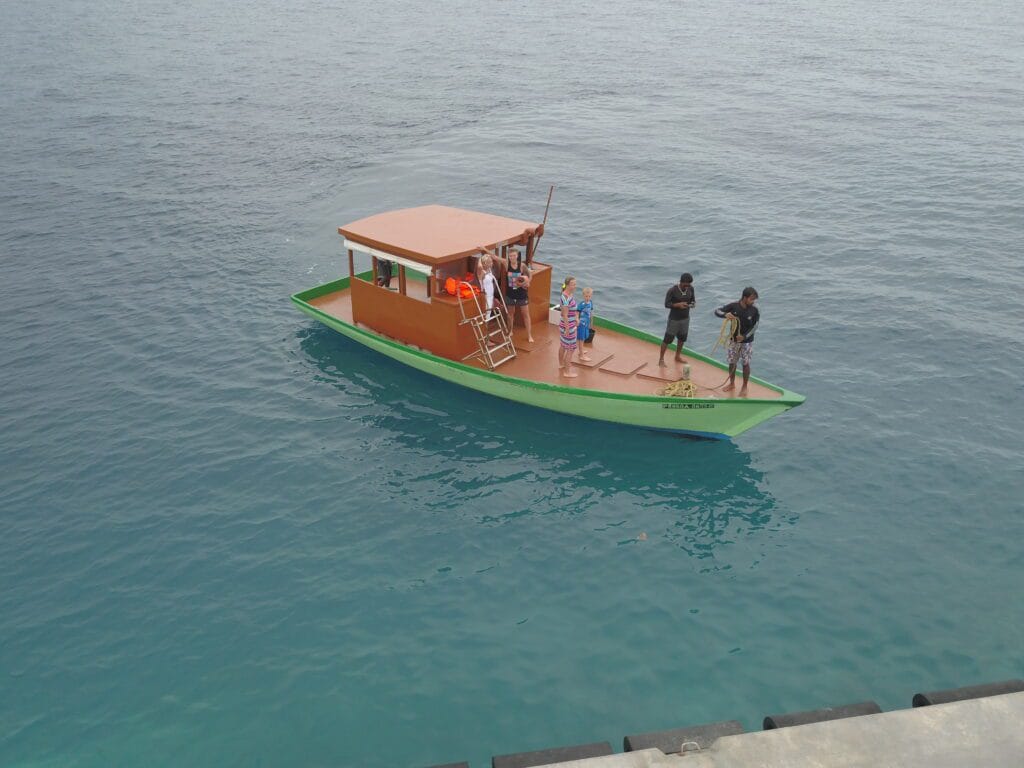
pixel 672 372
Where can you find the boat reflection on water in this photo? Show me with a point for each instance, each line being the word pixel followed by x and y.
pixel 457 452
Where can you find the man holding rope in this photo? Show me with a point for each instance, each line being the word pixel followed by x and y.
pixel 746 317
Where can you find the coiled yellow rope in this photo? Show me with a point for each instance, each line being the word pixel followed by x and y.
pixel 681 388
pixel 729 327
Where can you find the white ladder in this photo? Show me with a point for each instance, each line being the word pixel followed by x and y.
pixel 490 329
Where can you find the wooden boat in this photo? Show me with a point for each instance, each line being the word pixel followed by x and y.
pixel 455 339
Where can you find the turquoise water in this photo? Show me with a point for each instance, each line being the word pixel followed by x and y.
pixel 229 537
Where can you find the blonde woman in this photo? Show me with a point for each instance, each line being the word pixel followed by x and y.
pixel 567 328
pixel 488 284
pixel 517 291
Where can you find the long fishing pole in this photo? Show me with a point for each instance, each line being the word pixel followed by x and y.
pixel 550 193
pixel 533 251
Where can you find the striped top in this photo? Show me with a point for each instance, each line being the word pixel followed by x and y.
pixel 567 327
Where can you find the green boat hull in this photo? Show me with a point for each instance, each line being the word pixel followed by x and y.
pixel 714 418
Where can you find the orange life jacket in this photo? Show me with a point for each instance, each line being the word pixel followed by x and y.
pixel 460 288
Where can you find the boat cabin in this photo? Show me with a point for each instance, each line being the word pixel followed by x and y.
pixel 423 247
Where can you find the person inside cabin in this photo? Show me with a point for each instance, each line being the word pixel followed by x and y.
pixel 679 300
pixel 742 341
pixel 567 328
pixel 584 332
pixel 385 271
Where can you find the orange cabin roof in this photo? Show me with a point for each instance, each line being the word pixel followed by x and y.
pixel 434 234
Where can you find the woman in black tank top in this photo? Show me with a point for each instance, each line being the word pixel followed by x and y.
pixel 517 289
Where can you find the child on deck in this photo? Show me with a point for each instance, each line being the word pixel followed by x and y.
pixel 584 333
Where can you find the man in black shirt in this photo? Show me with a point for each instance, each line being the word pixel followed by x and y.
pixel 741 344
pixel 678 301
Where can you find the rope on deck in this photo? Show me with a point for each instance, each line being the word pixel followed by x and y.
pixel 681 388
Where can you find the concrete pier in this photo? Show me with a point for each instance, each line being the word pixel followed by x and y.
pixel 978 732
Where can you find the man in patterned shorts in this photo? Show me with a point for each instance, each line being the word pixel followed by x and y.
pixel 741 344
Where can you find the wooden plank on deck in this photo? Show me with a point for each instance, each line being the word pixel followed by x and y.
pixel 670 373
pixel 624 366
pixel 594 362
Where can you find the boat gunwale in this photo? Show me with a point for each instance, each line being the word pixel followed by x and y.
pixel 789 398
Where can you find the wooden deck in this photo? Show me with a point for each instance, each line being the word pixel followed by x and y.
pixel 620 363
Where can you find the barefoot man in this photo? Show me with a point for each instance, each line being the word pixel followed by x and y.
pixel 678 301
pixel 741 344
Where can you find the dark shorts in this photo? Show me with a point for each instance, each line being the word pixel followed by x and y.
pixel 518 301
pixel 677 329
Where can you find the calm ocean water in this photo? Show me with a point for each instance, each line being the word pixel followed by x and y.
pixel 230 537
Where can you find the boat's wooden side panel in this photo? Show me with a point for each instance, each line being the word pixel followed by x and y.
pixel 430 324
